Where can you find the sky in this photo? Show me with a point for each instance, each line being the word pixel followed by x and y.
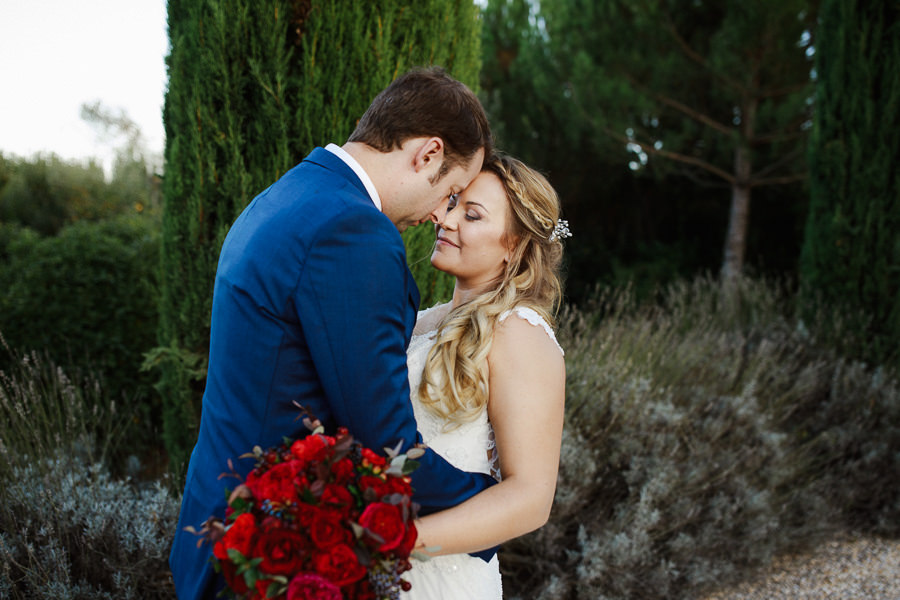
pixel 56 55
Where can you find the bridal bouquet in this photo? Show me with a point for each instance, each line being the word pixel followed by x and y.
pixel 319 518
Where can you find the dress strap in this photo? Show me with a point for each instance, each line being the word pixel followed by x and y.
pixel 533 317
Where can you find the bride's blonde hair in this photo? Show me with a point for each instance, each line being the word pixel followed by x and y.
pixel 455 380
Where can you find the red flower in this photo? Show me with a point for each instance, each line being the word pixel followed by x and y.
pixel 343 470
pixel 309 586
pixel 409 540
pixel 295 520
pixel 374 483
pixel 337 497
pixel 240 535
pixel 399 485
pixel 282 551
pixel 339 564
pixel 278 484
pixel 262 586
pixel 326 530
pixel 312 447
pixel 375 459
pixel 385 521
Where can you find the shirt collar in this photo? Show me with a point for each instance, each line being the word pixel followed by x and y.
pixel 357 168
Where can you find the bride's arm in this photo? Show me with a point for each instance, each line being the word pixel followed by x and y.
pixel 527 395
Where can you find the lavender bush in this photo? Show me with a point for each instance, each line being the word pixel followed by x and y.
pixel 704 435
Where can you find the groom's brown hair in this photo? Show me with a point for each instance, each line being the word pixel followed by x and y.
pixel 427 102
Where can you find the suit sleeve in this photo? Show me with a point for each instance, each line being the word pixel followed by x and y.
pixel 351 299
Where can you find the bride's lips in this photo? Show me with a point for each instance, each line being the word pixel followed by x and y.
pixel 443 240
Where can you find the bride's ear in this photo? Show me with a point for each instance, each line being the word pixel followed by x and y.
pixel 511 243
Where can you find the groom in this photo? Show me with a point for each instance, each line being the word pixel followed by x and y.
pixel 314 303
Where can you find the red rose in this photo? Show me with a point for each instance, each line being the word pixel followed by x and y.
pixel 371 482
pixel 240 535
pixel 278 484
pixel 343 470
pixel 262 587
pixel 229 571
pixel 313 447
pixel 326 530
pixel 337 497
pixel 409 541
pixel 282 550
pixel 385 521
pixel 399 485
pixel 309 586
pixel 339 564
pixel 375 459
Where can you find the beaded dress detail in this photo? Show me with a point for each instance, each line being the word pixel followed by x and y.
pixel 470 447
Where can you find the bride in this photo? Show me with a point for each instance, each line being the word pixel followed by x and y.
pixel 487 376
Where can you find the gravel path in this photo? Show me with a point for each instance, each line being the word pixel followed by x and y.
pixel 844 569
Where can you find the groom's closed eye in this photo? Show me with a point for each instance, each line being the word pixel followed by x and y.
pixel 454 200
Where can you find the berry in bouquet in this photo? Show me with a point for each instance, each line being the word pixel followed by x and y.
pixel 318 518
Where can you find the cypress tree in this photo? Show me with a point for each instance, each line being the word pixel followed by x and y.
pixel 850 260
pixel 255 85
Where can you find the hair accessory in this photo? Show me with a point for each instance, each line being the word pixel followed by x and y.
pixel 560 231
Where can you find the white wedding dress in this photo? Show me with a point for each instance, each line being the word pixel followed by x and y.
pixel 469 447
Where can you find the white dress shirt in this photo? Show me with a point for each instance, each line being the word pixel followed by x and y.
pixel 357 168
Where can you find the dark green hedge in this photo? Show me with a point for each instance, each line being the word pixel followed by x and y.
pixel 86 296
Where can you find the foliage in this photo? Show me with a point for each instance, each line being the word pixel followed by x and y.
pixel 69 530
pixel 676 89
pixel 42 408
pixel 253 87
pixel 47 193
pixel 851 255
pixel 86 297
pixel 705 435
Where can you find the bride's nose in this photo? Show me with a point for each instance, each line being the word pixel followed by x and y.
pixel 449 221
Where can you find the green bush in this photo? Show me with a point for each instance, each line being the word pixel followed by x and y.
pixel 704 436
pixel 86 296
pixel 47 193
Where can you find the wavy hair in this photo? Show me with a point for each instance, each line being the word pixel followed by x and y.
pixel 455 380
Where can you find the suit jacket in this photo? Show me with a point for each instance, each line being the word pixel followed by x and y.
pixel 314 303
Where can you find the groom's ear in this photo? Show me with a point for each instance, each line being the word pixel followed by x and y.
pixel 430 154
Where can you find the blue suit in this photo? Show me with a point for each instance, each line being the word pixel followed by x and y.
pixel 313 303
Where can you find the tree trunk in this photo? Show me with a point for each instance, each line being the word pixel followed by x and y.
pixel 736 240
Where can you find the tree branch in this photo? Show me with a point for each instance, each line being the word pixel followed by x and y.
pixel 774 93
pixel 697 116
pixel 785 159
pixel 676 156
pixel 694 56
pixel 779 180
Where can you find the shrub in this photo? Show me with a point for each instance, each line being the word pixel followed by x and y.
pixel 87 297
pixel 70 530
pixel 704 435
pixel 43 410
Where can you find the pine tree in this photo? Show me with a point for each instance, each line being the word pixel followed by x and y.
pixel 254 85
pixel 851 253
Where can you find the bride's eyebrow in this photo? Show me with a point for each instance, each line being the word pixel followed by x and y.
pixel 469 202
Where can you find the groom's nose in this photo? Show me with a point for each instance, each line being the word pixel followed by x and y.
pixel 440 211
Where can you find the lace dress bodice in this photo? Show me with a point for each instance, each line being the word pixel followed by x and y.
pixel 469 447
